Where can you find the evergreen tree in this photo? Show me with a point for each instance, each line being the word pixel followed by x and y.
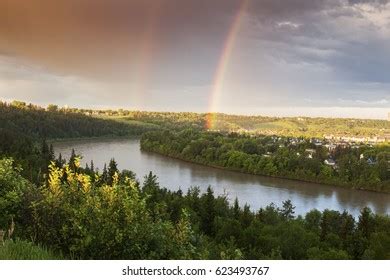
pixel 92 166
pixel 208 212
pixel 236 209
pixel 246 216
pixel 51 153
pixel 288 210
pixel 150 183
pixel 112 170
pixel 105 175
pixel 72 160
pixel 366 222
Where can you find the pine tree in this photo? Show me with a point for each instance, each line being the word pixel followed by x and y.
pixel 60 161
pixel 246 216
pixel 51 153
pixel 105 174
pixel 92 166
pixel 112 170
pixel 208 212
pixel 72 160
pixel 366 224
pixel 87 170
pixel 288 210
pixel 236 209
pixel 150 183
pixel 44 148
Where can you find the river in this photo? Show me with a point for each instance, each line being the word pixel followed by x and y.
pixel 257 191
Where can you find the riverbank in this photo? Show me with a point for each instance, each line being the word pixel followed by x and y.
pixel 255 190
pixel 108 137
pixel 319 182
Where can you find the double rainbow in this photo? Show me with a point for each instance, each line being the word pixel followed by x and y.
pixel 223 64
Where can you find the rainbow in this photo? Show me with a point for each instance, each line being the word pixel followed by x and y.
pixel 223 64
pixel 146 48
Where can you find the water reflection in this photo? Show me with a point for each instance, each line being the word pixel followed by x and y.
pixel 257 191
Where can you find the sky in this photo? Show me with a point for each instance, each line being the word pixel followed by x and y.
pixel 258 57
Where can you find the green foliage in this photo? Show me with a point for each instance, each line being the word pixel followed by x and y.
pixel 12 188
pixel 24 250
pixel 293 158
pixel 86 220
pixel 76 213
pixel 84 214
pixel 54 123
pixel 24 128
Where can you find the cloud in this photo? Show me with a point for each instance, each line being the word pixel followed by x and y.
pixel 286 51
pixel 92 36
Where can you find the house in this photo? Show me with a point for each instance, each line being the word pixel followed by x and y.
pixel 309 153
pixel 267 155
pixel 318 144
pixel 330 162
pixel 331 147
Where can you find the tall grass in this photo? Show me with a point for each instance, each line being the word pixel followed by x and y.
pixel 24 250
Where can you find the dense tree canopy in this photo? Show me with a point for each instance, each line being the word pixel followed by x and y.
pixel 364 167
pixel 79 215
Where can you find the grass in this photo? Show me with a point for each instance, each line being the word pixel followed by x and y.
pixel 25 250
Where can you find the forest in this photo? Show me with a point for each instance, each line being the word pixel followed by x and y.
pixel 364 167
pixel 63 122
pixel 78 213
pixel 25 130
pixel 51 208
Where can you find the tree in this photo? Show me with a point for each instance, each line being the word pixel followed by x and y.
pixel 52 108
pixel 12 188
pixel 72 159
pixel 288 210
pixel 19 104
pixel 105 174
pixel 313 220
pixel 59 161
pixel 112 170
pixel 236 209
pixel 51 153
pixel 366 222
pixel 92 166
pixel 150 183
pixel 208 212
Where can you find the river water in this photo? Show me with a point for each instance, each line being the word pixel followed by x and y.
pixel 257 191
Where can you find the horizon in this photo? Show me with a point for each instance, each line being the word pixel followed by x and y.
pixel 45 105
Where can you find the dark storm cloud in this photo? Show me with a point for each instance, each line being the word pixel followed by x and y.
pixel 72 34
pixel 298 49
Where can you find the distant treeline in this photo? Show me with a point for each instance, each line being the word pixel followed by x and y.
pixel 302 126
pixel 25 127
pixel 82 214
pixel 364 167
pixel 38 123
pixel 281 126
pixel 288 126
